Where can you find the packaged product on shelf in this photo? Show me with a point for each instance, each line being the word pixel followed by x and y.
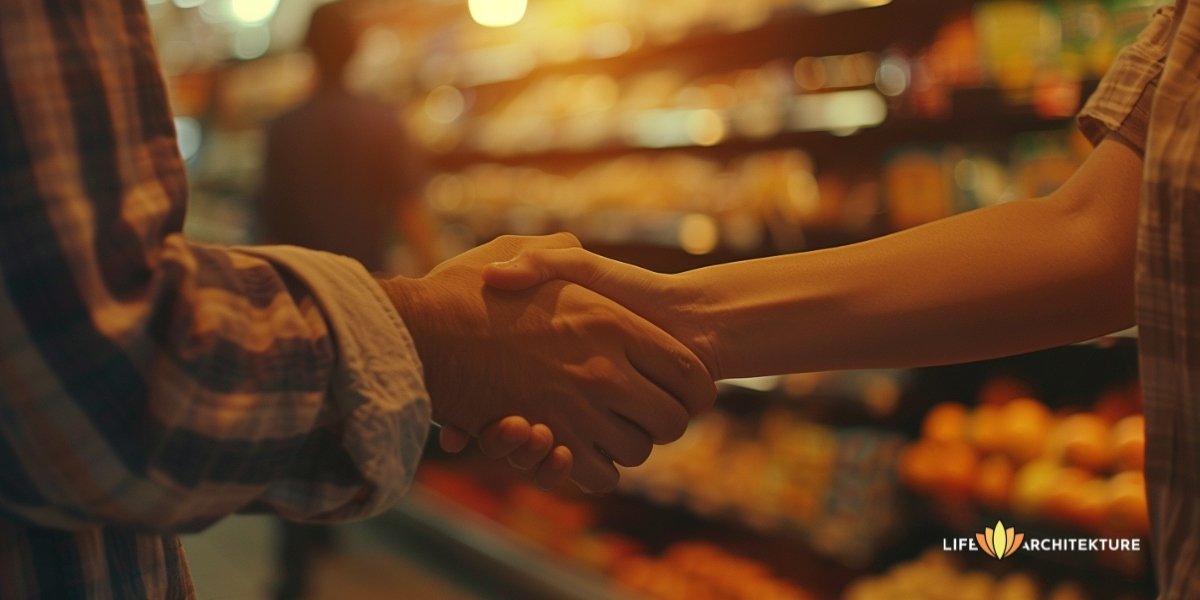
pixel 1043 161
pixel 1019 38
pixel 835 488
pixel 916 188
pixel 1089 38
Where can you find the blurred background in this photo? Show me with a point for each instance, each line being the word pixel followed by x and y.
pixel 675 134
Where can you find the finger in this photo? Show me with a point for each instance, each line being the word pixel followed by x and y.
pixel 534 450
pixel 555 469
pixel 621 440
pixel 594 473
pixel 619 281
pixel 515 244
pixel 453 439
pixel 591 471
pixel 503 437
pixel 649 407
pixel 670 365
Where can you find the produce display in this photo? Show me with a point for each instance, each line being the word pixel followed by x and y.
pixel 1077 467
pixel 936 576
pixel 834 488
pixel 569 529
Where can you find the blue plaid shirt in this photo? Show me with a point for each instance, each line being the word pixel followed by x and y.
pixel 149 384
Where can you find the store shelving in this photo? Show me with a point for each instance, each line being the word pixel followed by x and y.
pixel 481 544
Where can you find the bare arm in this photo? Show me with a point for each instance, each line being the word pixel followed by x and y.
pixel 997 281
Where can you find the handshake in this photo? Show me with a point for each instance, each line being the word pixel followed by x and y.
pixel 603 359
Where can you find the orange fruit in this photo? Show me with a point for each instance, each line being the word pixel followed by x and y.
pixel 983 428
pixel 1129 443
pixel 1035 482
pixel 956 469
pixel 994 481
pixel 1062 501
pixel 1127 510
pixel 1083 440
pixel 1002 389
pixel 946 422
pixel 1025 424
pixel 918 465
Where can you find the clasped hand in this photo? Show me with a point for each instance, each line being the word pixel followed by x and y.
pixel 599 383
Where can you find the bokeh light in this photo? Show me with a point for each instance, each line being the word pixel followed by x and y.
pixel 497 13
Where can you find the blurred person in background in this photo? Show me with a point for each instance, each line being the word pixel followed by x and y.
pixel 1117 245
pixel 150 384
pixel 340 172
pixel 340 175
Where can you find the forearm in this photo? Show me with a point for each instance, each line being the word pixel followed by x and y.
pixel 232 383
pixel 1002 280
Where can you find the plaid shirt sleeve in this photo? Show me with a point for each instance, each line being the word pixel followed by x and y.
pixel 1121 103
pixel 152 383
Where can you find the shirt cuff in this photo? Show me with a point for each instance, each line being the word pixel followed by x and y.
pixel 378 388
pixel 1122 101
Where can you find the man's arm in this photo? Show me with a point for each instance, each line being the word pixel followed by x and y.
pixel 147 381
pixel 996 281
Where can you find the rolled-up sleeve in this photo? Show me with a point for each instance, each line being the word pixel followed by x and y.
pixel 1121 103
pixel 146 380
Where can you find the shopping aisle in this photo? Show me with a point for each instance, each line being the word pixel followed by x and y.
pixel 235 560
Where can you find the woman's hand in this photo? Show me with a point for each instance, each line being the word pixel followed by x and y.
pixel 675 303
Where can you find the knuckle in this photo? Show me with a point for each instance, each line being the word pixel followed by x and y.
pixel 566 238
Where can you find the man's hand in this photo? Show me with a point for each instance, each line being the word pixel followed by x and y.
pixel 607 382
pixel 526 447
pixel 671 302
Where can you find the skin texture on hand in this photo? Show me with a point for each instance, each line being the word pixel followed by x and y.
pixel 668 301
pixel 607 382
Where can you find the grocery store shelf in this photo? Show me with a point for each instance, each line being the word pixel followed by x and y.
pixel 522 568
pixel 828 27
pixel 979 126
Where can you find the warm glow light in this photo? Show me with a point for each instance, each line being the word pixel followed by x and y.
pixel 840 113
pixel 497 13
pixel 252 11
pixel 698 234
pixel 705 127
pixel 251 42
pixel 444 104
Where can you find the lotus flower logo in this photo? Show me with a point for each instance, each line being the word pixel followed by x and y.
pixel 999 542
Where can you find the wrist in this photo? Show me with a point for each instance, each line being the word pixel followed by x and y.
pixel 702 307
pixel 412 300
